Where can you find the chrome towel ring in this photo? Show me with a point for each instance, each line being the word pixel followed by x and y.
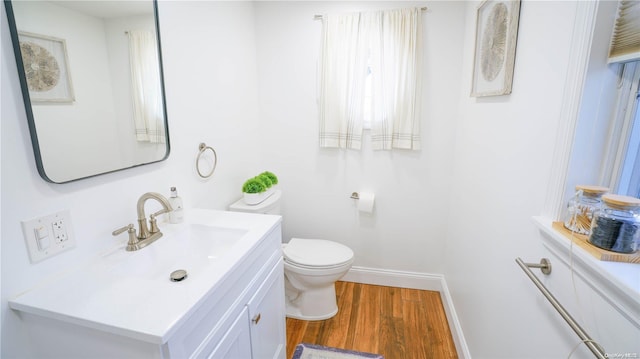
pixel 202 148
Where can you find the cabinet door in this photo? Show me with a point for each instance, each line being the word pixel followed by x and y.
pixel 267 313
pixel 236 343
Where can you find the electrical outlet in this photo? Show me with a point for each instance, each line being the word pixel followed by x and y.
pixel 48 235
pixel 59 230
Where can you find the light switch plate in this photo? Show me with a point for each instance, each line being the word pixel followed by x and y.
pixel 48 235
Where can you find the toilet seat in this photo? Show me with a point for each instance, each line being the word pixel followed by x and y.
pixel 316 253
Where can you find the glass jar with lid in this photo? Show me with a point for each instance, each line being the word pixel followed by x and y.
pixel 581 207
pixel 616 226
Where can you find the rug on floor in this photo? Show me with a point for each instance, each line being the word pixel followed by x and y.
pixel 313 351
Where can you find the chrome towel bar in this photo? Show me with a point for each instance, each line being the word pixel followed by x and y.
pixel 545 267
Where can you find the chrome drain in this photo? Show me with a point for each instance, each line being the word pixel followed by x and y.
pixel 178 275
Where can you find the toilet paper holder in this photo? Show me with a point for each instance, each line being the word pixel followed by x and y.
pixel 365 202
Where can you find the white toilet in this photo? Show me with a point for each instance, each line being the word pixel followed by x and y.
pixel 311 268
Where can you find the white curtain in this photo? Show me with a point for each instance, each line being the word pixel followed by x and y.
pixel 145 83
pixel 396 81
pixel 387 44
pixel 342 77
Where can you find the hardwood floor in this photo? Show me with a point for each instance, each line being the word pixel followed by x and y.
pixel 394 322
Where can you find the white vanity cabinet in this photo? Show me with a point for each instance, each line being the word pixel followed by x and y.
pixel 259 330
pixel 236 342
pixel 266 311
pixel 238 314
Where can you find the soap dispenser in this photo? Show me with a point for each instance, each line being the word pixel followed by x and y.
pixel 177 214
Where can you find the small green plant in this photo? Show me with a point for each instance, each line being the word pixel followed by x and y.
pixel 260 183
pixel 266 180
pixel 253 185
pixel 272 177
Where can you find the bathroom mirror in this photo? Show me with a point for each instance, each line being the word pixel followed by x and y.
pixel 91 78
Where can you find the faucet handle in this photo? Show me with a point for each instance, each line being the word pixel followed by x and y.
pixel 132 245
pixel 162 211
pixel 153 221
pixel 121 230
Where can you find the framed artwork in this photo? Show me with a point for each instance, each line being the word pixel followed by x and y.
pixel 46 68
pixel 495 49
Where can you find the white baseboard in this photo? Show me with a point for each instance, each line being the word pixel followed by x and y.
pixel 415 280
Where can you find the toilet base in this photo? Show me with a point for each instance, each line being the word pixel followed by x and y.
pixel 294 312
pixel 311 304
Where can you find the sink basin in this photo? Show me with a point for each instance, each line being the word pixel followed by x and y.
pixel 191 247
pixel 208 241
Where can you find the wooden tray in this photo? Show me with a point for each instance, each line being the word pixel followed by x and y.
pixel 599 253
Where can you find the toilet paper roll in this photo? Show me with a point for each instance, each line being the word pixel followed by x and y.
pixel 366 202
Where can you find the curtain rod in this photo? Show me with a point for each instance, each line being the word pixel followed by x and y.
pixel 319 17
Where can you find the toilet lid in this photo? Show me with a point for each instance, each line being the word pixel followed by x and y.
pixel 316 252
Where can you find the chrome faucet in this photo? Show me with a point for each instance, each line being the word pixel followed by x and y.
pixel 144 232
pixel 145 235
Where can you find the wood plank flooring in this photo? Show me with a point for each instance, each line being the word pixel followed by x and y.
pixel 394 322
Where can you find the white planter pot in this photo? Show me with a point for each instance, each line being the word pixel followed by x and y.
pixel 256 198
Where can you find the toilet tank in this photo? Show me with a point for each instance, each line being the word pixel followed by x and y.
pixel 271 205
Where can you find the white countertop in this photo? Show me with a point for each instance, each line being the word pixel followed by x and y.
pixel 130 294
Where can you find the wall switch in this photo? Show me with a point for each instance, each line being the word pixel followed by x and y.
pixel 48 235
pixel 42 237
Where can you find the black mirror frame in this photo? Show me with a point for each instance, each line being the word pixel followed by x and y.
pixel 13 29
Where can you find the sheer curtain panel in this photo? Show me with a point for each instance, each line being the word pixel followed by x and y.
pixel 145 86
pixel 342 77
pixel 396 81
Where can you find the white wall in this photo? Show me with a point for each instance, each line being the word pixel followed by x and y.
pixel 504 147
pixel 211 98
pixel 406 231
